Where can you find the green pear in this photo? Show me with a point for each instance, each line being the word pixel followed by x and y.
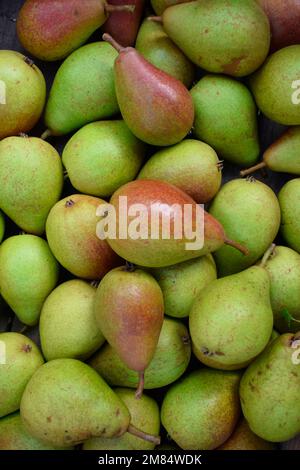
pixel 274 335
pixel 83 90
pixel 269 390
pixel 289 200
pixel 22 93
pixel 19 359
pixel 276 86
pixel 170 360
pixel 2 226
pixel 159 6
pixel 249 212
pixel 202 409
pixel 13 436
pixel 71 233
pixel 242 300
pixel 191 165
pixel 181 283
pixel 28 273
pixel 225 118
pixel 68 326
pixel 154 44
pixel 244 439
pixel 35 169
pixel 66 402
pixel 221 36
pixel 144 415
pixel 102 156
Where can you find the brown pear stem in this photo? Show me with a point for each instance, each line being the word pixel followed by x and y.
pixel 254 168
pixel 157 19
pixel 142 435
pixel 46 134
pixel 107 37
pixel 111 8
pixel 267 255
pixel 237 245
pixel 140 389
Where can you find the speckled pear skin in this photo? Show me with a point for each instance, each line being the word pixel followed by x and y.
pixel 289 199
pixel 272 88
pixel 159 6
pixel 2 226
pixel 124 25
pixel 249 212
pixel 196 28
pixel 144 415
pixel 190 165
pixel 269 391
pixel 23 358
pixel 242 300
pixel 83 89
pixel 226 118
pixel 155 45
pixel 202 409
pixel 243 438
pixel 283 154
pixel 67 402
pixel 25 91
pixel 169 362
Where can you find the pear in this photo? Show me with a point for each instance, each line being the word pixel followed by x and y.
pixel 201 410
pixel 13 436
pixel 225 118
pixel 244 439
pixel 282 156
pixel 71 234
pixel 34 167
pixel 170 360
pixel 156 107
pixel 67 325
pixel 40 31
pixel 289 199
pixel 2 226
pixel 144 415
pixel 269 391
pixel 124 25
pixel 221 36
pixel 191 165
pixel 184 232
pixel 154 44
pixel 71 106
pixel 102 156
pixel 275 86
pixel 19 359
pixel 129 311
pixel 249 212
pixel 28 273
pixel 66 402
pixel 182 283
pixel 22 93
pixel 242 300
pixel 159 6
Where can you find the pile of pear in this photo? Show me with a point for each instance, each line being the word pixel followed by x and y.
pixel 119 341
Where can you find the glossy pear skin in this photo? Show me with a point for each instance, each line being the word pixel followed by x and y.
pixel 289 199
pixel 28 273
pixel 155 45
pixel 124 25
pixel 102 156
pixel 83 89
pixel 67 402
pixel 283 154
pixel 269 391
pixel 243 438
pixel 71 234
pixel 129 311
pixel 67 325
pixel 201 410
pixel 249 212
pixel 34 167
pixel 196 27
pixel 191 165
pixel 242 300
pixel 170 360
pixel 25 94
pixel 225 118
pixel 23 358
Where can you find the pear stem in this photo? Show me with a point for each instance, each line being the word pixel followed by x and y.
pixel 237 245
pixel 142 435
pixel 46 134
pixel 112 8
pixel 157 19
pixel 254 168
pixel 140 389
pixel 267 255
pixel 107 37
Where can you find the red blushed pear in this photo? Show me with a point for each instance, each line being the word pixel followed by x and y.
pixel 156 107
pixel 164 205
pixel 129 310
pixel 52 29
pixel 124 25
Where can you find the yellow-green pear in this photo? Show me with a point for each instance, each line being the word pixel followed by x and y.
pixel 243 438
pixel 289 199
